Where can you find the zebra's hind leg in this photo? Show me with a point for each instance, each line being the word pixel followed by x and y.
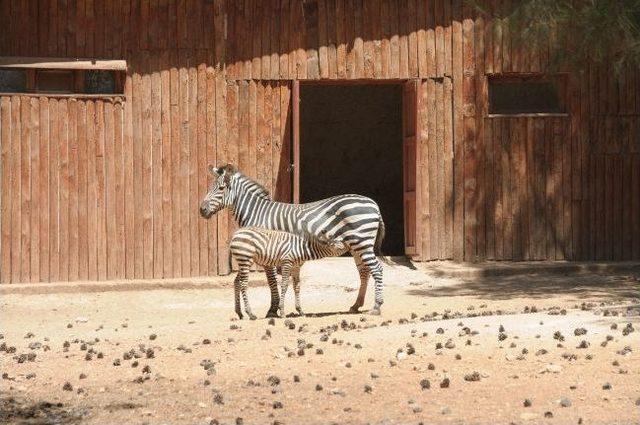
pixel 286 274
pixel 243 289
pixel 296 289
pixel 369 259
pixel 236 293
pixel 364 273
pixel 272 279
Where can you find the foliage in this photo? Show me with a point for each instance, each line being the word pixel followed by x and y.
pixel 577 31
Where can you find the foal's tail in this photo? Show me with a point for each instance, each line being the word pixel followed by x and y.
pixel 377 245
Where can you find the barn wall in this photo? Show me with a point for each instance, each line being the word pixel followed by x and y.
pixel 108 188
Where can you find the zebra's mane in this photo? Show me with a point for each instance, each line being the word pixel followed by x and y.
pixel 253 186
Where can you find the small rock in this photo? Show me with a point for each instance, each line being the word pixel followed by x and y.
pixel 606 386
pixel 565 402
pixel 472 377
pixel 580 331
pixel 527 402
pixel 445 383
pixel 67 386
pixel 368 389
pixel 425 384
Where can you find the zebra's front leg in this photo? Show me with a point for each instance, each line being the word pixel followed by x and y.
pixel 272 279
pixel 286 275
pixel 296 288
pixel 236 295
pixel 243 289
pixel 364 273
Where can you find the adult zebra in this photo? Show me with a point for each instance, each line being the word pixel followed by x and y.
pixel 354 218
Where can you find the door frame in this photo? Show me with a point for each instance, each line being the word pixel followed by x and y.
pixel 410 150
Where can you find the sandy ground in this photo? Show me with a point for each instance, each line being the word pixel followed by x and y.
pixel 184 358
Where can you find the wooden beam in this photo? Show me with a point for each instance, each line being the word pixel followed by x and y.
pixel 61 63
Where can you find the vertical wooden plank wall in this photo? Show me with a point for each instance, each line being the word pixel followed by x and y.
pixel 108 188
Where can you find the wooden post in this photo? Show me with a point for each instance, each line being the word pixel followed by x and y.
pixel 295 116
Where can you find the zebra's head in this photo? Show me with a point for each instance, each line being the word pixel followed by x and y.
pixel 335 244
pixel 220 193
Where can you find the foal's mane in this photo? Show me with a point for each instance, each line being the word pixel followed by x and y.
pixel 254 187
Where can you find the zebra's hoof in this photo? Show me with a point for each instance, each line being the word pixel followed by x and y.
pixel 300 312
pixel 252 317
pixel 239 316
pixel 354 309
pixel 271 314
pixel 374 312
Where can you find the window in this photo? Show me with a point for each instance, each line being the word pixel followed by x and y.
pixel 62 76
pixel 532 94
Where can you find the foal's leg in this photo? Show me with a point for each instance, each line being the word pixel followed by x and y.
pixel 243 288
pixel 272 279
pixel 236 294
pixel 296 288
pixel 286 274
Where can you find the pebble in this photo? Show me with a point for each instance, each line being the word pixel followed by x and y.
pixel 527 402
pixel 565 402
pixel 580 331
pixel 67 386
pixel 445 383
pixel 472 377
pixel 425 384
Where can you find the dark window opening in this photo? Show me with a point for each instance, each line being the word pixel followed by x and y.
pixel 54 81
pixel 525 95
pixel 13 81
pixel 100 82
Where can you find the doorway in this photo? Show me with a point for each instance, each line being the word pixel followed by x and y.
pixel 351 141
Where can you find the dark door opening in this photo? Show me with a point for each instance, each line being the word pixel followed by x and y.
pixel 351 142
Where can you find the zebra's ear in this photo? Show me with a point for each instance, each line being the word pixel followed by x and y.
pixel 214 170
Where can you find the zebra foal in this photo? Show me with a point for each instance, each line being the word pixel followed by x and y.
pixel 274 248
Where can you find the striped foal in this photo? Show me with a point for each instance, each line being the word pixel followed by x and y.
pixel 273 248
pixel 354 218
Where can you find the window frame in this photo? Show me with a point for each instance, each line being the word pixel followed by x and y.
pixel 559 78
pixel 33 65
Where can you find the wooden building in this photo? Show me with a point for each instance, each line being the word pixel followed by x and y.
pixel 107 185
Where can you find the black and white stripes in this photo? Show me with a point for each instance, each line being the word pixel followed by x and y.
pixel 355 219
pixel 273 248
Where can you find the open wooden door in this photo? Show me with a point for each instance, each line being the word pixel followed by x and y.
pixel 411 171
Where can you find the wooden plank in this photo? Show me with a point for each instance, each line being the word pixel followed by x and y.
pixel 276 141
pixel 331 38
pixel 507 164
pixel 222 152
pixel 481 112
pixel 167 165
pixel 490 190
pixel 192 166
pixel 295 122
pixel 75 113
pixel 35 187
pixel 448 169
pixel 16 165
pixel 54 187
pixel 323 57
pixel 458 130
pixel 267 115
pixel 439 37
pixel 434 170
pixel 43 196
pixel 385 43
pixel 468 93
pixel 101 219
pixel 28 62
pixel 157 169
pixel 498 178
pixel 285 39
pixel 92 192
pixel 138 185
pixel 341 40
pixel 447 38
pixel 233 148
pixel 176 165
pixel 300 30
pixel 285 183
pixel 412 38
pixel 110 191
pixel 212 224
pixel 202 172
pixel 441 160
pixel 6 198
pixel 118 146
pixel 418 179
pixel 24 144
pixel 358 42
pixel 263 30
pixel 377 35
pixel 394 41
pixel 403 41
pixel 85 207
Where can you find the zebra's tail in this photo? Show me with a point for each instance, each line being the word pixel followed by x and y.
pixel 377 245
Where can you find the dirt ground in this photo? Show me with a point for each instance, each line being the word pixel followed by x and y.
pixel 509 349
